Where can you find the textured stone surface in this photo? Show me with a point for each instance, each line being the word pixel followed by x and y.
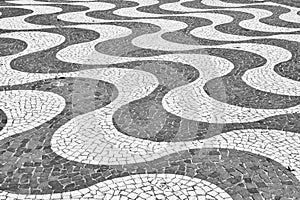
pixel 149 99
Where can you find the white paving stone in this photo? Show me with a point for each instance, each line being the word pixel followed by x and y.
pixel 36 41
pixel 291 16
pixel 92 137
pixel 27 109
pixel 81 15
pixel 160 183
pixel 18 23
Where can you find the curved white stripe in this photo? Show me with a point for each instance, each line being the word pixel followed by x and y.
pixel 27 109
pixel 166 185
pixel 291 16
pixel 133 12
pixel 263 78
pixel 75 1
pixel 129 12
pixel 154 40
pixel 132 152
pixel 18 23
pixel 240 114
pixel 209 32
pixel 176 6
pixel 81 15
pixel 36 41
pixel 254 24
pixel 22 2
pixel 89 138
pixel 84 53
pixel 219 3
pixel 92 138
pixel 191 101
pixel 209 108
pixel 281 146
pixel 36 2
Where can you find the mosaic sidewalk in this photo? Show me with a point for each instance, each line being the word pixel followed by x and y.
pixel 150 99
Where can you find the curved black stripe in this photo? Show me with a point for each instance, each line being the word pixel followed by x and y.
pixel 4 3
pixel 108 14
pixel 293 3
pixel 51 19
pixel 3 119
pixel 242 1
pixel 146 118
pixel 288 69
pixel 61 1
pixel 155 9
pixel 237 91
pixel 123 46
pixel 46 61
pixel 274 19
pixel 140 116
pixel 241 174
pixel 28 162
pixel 234 27
pixel 200 5
pixel 9 46
pixel 13 12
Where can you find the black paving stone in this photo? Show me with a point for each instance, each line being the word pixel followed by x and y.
pixel 3 120
pixel 13 12
pixel 243 175
pixel 44 167
pixel 9 46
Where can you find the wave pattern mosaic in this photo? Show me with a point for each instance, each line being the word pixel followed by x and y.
pixel 150 99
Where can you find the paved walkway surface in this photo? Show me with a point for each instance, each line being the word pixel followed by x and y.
pixel 150 99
